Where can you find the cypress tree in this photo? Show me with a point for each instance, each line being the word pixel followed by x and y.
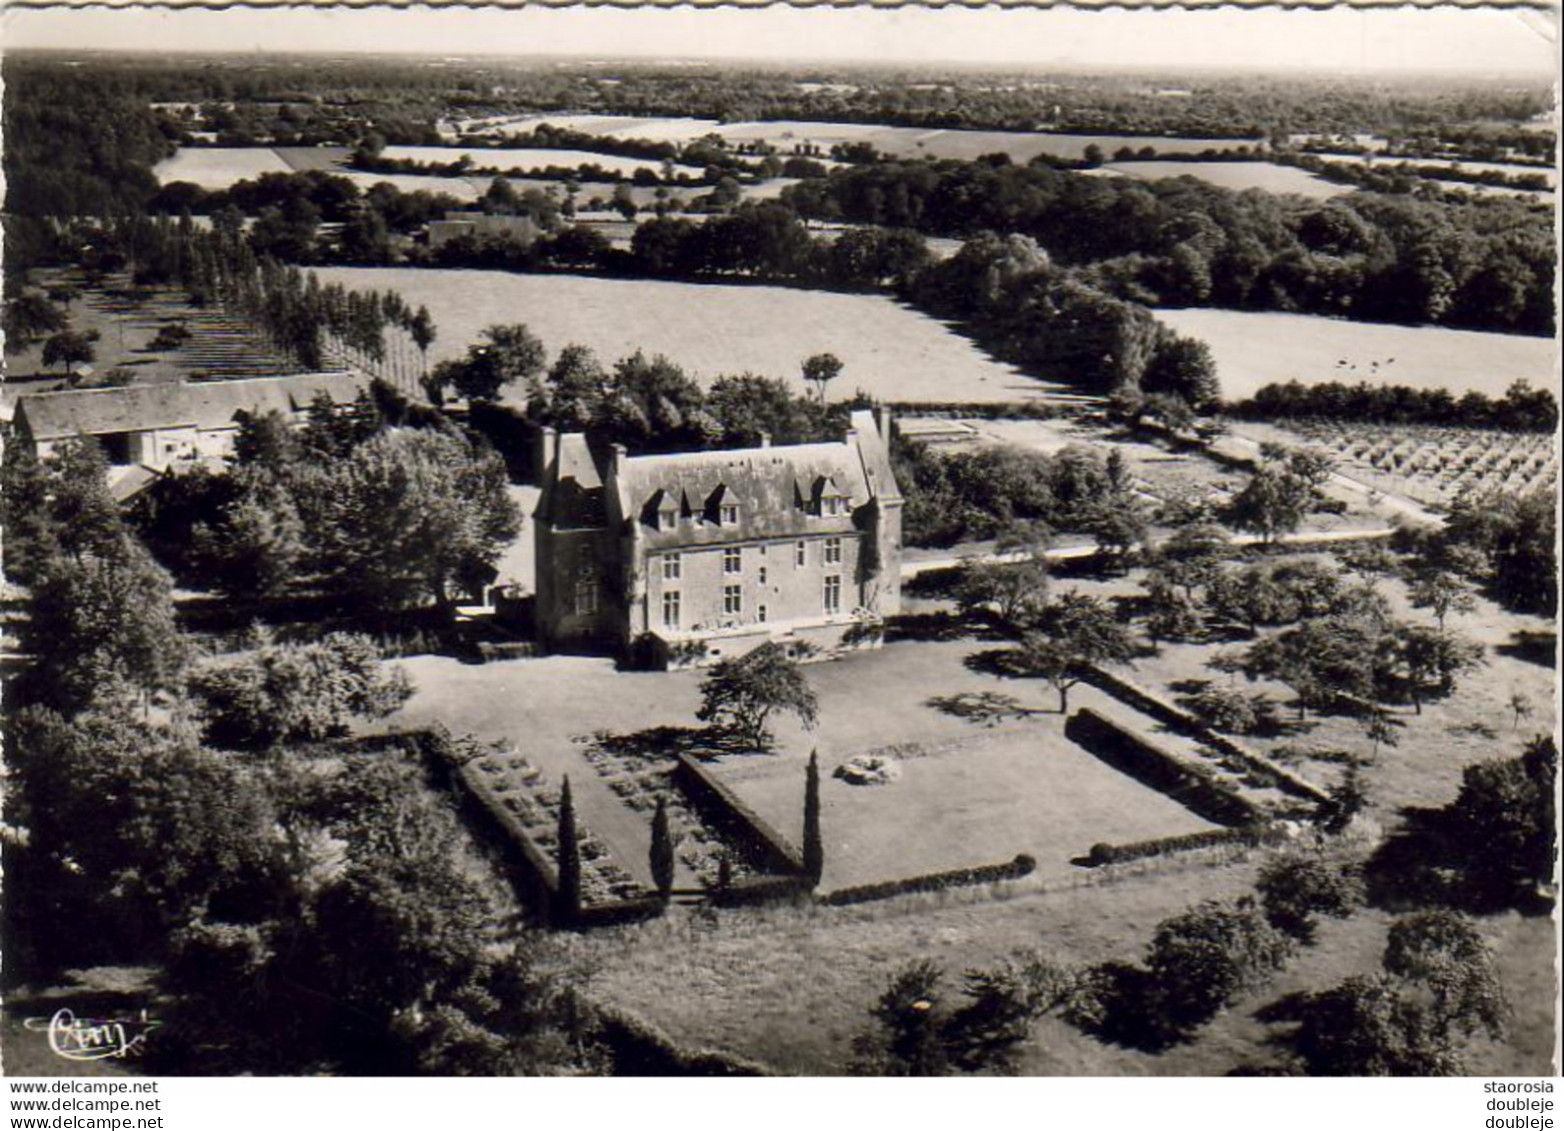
pixel 662 849
pixel 814 847
pixel 569 855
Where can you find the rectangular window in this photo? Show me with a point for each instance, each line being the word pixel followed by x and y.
pixel 760 614
pixel 762 575
pixel 730 514
pixel 833 594
pixel 732 600
pixel 671 609
pixel 733 561
pixel 668 518
pixel 671 566
pixel 801 553
pixel 586 597
pixel 833 551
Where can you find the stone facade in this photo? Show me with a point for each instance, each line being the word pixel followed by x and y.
pixel 688 558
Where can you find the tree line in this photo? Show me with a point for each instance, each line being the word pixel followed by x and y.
pixel 1521 409
pixel 1486 264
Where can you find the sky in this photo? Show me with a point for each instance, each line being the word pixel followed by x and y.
pixel 1471 40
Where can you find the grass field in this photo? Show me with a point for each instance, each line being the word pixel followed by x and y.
pixel 215 168
pixel 889 351
pixel 967 794
pixel 1235 175
pixel 1254 349
pixel 1545 171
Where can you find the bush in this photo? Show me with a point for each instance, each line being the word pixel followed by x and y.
pixel 1202 959
pixel 1232 711
pixel 1294 889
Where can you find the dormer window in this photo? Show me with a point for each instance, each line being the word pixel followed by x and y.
pixel 728 514
pixel 667 518
pixel 829 499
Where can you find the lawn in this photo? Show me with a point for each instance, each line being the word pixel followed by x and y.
pixel 1235 175
pixel 889 351
pixel 968 793
pixel 1255 349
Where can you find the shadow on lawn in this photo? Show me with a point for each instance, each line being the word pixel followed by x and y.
pixel 1004 663
pixel 1426 863
pixel 667 742
pixel 990 708
pixel 1532 648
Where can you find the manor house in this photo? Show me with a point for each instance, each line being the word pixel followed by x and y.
pixel 692 557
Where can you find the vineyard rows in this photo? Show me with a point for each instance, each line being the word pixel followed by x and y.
pixel 1436 464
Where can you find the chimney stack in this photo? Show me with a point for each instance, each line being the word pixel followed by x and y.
pixel 765 439
pixel 548 451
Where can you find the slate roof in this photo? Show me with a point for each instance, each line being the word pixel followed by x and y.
pixel 776 489
pixel 207 405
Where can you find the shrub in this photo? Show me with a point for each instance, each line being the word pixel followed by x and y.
pixel 1295 888
pixel 1202 959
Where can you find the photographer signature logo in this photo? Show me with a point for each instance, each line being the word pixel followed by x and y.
pixel 93 1038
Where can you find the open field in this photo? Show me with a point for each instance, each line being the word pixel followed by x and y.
pixel 214 168
pixel 1235 175
pixel 889 351
pixel 748 989
pixel 896 141
pixel 1253 349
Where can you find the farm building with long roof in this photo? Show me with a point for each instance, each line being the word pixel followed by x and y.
pixel 158 426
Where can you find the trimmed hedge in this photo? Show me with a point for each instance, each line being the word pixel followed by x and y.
pixel 766 849
pixel 1022 865
pixel 1249 836
pixel 751 890
pixel 1136 755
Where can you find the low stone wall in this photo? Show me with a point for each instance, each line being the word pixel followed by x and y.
pixel 1142 759
pixel 1177 718
pixel 767 850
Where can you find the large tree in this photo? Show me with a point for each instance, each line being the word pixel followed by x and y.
pixel 1503 821
pixel 102 618
pixel 1075 632
pixel 506 356
pixel 742 694
pixel 411 515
